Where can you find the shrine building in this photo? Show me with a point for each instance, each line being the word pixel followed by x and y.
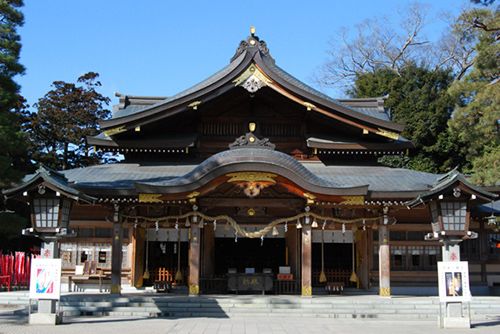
pixel 253 181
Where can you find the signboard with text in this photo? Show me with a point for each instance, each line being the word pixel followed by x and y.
pixel 454 281
pixel 45 281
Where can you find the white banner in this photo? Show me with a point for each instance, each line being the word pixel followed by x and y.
pixel 45 280
pixel 454 281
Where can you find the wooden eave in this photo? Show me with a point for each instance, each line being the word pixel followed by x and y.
pixel 49 179
pixel 176 106
pixel 361 146
pixel 445 185
pixel 178 142
pixel 347 115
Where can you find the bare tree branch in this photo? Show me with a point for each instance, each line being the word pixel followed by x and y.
pixel 376 44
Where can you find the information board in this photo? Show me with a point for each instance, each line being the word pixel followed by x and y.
pixel 454 281
pixel 45 281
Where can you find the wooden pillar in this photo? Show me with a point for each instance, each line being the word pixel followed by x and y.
pixel 116 253
pixel 138 239
pixel 194 261
pixel 384 262
pixel 362 257
pixel 208 252
pixel 306 276
pixel 483 250
pixel 291 249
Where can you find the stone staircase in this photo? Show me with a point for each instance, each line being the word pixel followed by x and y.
pixel 346 307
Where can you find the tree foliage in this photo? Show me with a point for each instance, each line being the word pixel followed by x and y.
pixel 375 44
pixel 446 93
pixel 475 121
pixel 65 116
pixel 418 98
pixel 12 140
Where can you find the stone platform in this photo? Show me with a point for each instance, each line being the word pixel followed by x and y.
pixel 153 305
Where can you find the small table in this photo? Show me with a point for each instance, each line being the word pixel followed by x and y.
pixel 5 280
pixel 88 280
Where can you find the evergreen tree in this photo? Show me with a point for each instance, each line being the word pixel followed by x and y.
pixel 418 98
pixel 475 121
pixel 12 140
pixel 66 115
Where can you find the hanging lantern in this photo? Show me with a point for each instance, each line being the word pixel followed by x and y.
pixel 314 223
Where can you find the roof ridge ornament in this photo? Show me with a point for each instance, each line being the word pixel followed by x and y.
pixel 252 41
pixel 249 140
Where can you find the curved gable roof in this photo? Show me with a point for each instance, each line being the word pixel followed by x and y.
pixel 246 160
pixel 250 51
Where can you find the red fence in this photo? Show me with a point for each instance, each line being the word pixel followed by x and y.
pixel 15 269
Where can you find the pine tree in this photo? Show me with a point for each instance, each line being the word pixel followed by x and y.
pixel 419 99
pixel 65 116
pixel 475 122
pixel 12 139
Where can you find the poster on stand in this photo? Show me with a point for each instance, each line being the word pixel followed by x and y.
pixel 454 281
pixel 45 282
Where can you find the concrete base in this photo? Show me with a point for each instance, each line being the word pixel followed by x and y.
pixel 449 322
pixel 45 319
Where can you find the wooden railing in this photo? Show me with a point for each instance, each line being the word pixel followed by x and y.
pixel 332 275
pixel 291 287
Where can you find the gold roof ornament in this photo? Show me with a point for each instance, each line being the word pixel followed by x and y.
pixel 150 198
pixel 309 106
pixel 252 30
pixel 387 134
pixel 194 105
pixel 115 131
pixel 310 198
pixel 252 79
pixel 352 200
pixel 251 177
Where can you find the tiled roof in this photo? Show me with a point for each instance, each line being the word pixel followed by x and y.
pixel 125 175
pixel 131 109
pixel 379 178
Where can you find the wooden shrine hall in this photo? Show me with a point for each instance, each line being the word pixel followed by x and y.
pixel 252 181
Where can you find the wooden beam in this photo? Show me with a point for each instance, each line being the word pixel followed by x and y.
pixel 251 202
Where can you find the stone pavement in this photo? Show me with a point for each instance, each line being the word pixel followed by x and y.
pixel 11 323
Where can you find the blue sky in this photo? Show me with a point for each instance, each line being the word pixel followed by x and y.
pixel 162 47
